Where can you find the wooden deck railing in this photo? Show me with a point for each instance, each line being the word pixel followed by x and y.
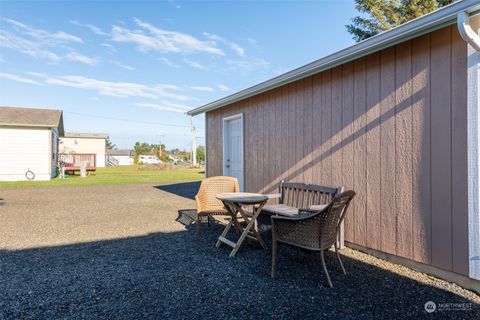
pixel 73 161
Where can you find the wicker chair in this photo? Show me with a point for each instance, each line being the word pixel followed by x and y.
pixel 206 198
pixel 312 230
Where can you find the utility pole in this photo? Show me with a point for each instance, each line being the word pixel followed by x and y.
pixel 160 136
pixel 194 144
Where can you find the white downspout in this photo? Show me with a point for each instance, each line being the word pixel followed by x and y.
pixel 466 31
pixel 473 141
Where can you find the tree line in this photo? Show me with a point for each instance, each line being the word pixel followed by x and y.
pixel 381 15
pixel 160 150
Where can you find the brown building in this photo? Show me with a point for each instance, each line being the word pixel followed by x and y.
pixel 395 119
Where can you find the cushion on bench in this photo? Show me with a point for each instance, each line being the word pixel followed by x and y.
pixel 284 210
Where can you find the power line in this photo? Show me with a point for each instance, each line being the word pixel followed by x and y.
pixel 129 120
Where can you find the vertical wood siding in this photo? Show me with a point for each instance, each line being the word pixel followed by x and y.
pixel 387 151
pixel 391 126
pixel 421 165
pixel 373 150
pixel 441 146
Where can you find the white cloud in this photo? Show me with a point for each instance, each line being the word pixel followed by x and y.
pixel 107 88
pixel 121 65
pixel 234 46
pixel 16 78
pixel 169 62
pixel 223 87
pixel 108 46
pixel 163 40
pixel 175 4
pixel 203 88
pixel 248 64
pixel 45 36
pixel 38 74
pixel 239 50
pixel 91 27
pixel 34 49
pixel 195 64
pixel 75 56
pixel 213 37
pixel 40 43
pixel 165 105
pixel 118 89
pixel 252 41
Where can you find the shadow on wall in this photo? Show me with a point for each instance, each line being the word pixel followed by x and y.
pixel 186 189
pixel 389 126
pixel 182 275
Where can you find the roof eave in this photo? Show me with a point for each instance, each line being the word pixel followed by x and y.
pixel 409 30
pixel 77 135
pixel 27 125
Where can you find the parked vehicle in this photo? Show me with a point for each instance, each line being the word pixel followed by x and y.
pixel 149 159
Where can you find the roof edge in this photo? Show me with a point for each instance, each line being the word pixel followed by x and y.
pixel 86 135
pixel 412 29
pixel 22 125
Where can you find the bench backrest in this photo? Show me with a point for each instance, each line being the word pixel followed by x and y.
pixel 303 195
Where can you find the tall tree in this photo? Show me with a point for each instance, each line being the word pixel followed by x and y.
pixel 201 153
pixel 142 148
pixel 160 150
pixel 382 15
pixel 110 145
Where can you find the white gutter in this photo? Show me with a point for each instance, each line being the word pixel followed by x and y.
pixel 470 36
pixel 412 29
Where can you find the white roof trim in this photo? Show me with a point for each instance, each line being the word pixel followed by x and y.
pixel 427 23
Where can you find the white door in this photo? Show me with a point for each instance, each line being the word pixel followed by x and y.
pixel 233 148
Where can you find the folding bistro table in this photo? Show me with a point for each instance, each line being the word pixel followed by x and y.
pixel 233 203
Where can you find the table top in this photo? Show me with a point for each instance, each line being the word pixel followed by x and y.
pixel 242 197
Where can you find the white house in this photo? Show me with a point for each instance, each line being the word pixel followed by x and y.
pixel 120 157
pixel 85 143
pixel 29 143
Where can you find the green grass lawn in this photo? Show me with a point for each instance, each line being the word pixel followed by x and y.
pixel 118 175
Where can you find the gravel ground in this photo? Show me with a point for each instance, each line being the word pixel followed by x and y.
pixel 103 252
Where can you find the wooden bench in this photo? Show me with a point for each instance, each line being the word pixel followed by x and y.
pixel 293 196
